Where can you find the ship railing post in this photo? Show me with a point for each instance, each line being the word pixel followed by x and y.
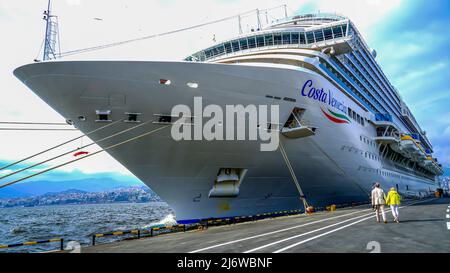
pixel 62 244
pixel 93 240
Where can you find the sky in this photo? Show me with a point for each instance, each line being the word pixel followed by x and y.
pixel 410 36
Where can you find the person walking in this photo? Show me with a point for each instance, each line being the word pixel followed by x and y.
pixel 393 200
pixel 378 201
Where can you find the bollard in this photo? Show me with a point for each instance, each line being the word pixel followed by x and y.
pixel 93 240
pixel 62 244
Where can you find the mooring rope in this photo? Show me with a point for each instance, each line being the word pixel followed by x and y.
pixel 74 150
pixel 294 177
pixel 84 157
pixel 59 145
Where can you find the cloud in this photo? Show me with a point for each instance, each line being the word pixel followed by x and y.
pixel 421 73
pixel 447 131
pixel 366 14
pixel 4 172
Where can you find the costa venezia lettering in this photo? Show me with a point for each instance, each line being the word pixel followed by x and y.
pixel 318 94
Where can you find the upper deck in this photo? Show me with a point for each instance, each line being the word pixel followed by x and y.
pixel 307 32
pixel 322 33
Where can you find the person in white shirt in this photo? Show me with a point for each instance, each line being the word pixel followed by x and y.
pixel 378 201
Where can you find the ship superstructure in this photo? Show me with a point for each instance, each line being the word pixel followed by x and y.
pixel 331 45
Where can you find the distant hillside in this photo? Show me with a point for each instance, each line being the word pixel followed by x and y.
pixel 35 188
pixel 76 197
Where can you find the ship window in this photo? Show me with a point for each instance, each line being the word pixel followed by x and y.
pixel 319 35
pixel 260 41
pixel 302 38
pixel 295 38
pixel 286 39
pixel 350 112
pixel 251 42
pixel 244 44
pixel 277 39
pixel 358 117
pixel 337 32
pixel 213 52
pixel 235 45
pixel 269 40
pixel 228 48
pixel 354 115
pixel 328 34
pixel 362 122
pixel 220 49
pixel 203 56
pixel 310 37
pixel 208 54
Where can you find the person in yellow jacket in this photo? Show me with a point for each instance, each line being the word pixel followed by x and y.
pixel 393 200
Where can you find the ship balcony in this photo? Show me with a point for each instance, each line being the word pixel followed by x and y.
pixel 296 126
pixel 298 132
pixel 387 132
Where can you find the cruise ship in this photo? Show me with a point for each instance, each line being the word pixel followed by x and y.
pixel 342 124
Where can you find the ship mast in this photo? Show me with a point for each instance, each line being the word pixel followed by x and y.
pixel 52 48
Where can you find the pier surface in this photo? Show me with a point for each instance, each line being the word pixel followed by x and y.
pixel 424 227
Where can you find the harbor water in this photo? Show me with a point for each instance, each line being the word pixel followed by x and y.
pixel 75 222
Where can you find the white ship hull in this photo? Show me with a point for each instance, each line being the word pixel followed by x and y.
pixel 331 165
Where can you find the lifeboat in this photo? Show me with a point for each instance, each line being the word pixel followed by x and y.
pixel 409 144
pixel 428 161
pixel 434 167
pixel 422 155
pixel 398 148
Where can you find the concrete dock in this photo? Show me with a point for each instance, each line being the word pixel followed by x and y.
pixel 424 227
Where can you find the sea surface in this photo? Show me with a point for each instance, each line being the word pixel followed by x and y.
pixel 76 222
